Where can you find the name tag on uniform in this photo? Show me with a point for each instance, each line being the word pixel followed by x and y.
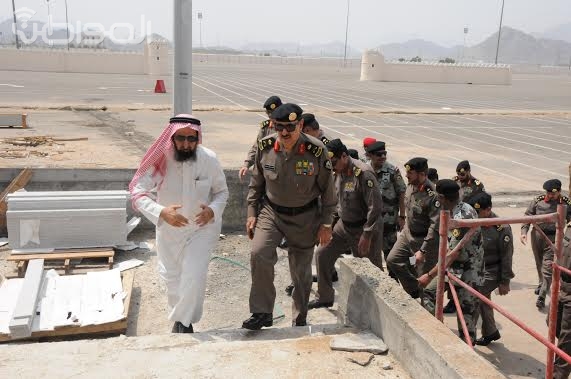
pixel 269 167
pixel 349 187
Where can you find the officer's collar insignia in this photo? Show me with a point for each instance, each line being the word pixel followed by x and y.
pixel 328 165
pixel 357 171
pixel 456 233
pixel 292 116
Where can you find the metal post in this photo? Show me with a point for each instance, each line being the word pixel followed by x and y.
pixel 15 24
pixel 442 251
pixel 182 94
pixel 500 32
pixel 346 34
pixel 50 31
pixel 67 25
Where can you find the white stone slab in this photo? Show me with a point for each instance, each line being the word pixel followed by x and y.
pixel 361 342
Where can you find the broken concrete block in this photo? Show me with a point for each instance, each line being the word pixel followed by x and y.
pixel 362 359
pixel 361 342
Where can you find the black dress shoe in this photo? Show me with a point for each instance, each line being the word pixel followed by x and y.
pixel 289 290
pixel 485 341
pixel 335 276
pixel 318 304
pixel 536 291
pixel 314 278
pixel 540 303
pixel 258 320
pixel 450 307
pixel 178 327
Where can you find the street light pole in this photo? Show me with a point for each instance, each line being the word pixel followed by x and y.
pixel 15 24
pixel 182 94
pixel 500 32
pixel 67 25
pixel 346 34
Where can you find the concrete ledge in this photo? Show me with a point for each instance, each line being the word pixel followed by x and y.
pixel 370 299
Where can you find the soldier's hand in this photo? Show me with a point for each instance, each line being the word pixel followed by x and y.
pixel 419 257
pixel 171 217
pixel 523 239
pixel 250 226
pixel 324 235
pixel 364 246
pixel 242 173
pixel 204 216
pixel 504 289
pixel 424 280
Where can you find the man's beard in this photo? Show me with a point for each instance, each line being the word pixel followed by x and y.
pixel 184 155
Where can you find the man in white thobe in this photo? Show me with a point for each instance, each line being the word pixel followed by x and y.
pixel 191 195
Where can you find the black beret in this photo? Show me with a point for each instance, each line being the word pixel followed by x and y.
pixel 336 147
pixel 287 113
pixel 432 174
pixel 447 187
pixel 353 153
pixel 272 103
pixel 417 164
pixel 482 200
pixel 309 120
pixel 376 146
pixel 463 166
pixel 552 185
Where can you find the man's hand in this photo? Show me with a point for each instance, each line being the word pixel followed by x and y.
pixel 504 289
pixel 204 216
pixel 250 226
pixel 242 173
pixel 523 239
pixel 424 280
pixel 364 246
pixel 402 222
pixel 324 235
pixel 419 257
pixel 171 217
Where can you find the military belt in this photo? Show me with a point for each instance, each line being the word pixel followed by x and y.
pixel 354 224
pixel 418 234
pixel 292 211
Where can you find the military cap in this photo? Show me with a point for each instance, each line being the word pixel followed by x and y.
pixel 432 174
pixel 417 164
pixel 378 146
pixel 552 185
pixel 482 200
pixel 353 153
pixel 447 187
pixel 287 113
pixel 336 148
pixel 309 120
pixel 272 103
pixel 463 166
pixel 368 141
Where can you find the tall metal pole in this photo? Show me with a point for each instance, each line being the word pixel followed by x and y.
pixel 49 23
pixel 182 94
pixel 67 25
pixel 15 24
pixel 500 32
pixel 346 34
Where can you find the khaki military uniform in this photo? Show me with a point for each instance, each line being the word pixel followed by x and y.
pixel 286 187
pixel 420 233
pixel 541 251
pixel 392 186
pixel 470 189
pixel 562 368
pixel 360 206
pixel 323 138
pixel 498 253
pixel 265 130
pixel 468 267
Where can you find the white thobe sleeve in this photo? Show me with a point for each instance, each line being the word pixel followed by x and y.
pixel 146 202
pixel 219 190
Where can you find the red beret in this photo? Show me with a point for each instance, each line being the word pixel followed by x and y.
pixel 368 141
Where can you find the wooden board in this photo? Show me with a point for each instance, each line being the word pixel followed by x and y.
pixel 115 327
pixel 66 256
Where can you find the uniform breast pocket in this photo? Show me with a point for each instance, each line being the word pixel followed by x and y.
pixel 202 190
pixel 303 184
pixel 270 175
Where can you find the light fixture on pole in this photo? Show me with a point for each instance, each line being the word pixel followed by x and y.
pixel 499 32
pixel 346 34
pixel 50 31
pixel 15 24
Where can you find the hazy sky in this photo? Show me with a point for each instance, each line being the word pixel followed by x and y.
pixel 371 22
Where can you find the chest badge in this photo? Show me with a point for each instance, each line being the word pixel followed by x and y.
pixel 370 183
pixel 304 168
pixel 349 187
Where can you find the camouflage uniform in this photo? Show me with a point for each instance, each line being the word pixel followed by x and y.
pixel 392 186
pixel 541 251
pixel 469 189
pixel 468 267
pixel 562 368
pixel 265 130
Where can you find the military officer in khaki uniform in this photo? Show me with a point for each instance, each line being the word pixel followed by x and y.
pixel 311 127
pixel 292 174
pixel 469 186
pixel 562 369
pixel 419 238
pixel 542 253
pixel 359 227
pixel 498 253
pixel 265 130
pixel 392 190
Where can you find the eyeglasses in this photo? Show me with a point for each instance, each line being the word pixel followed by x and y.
pixel 289 127
pixel 460 173
pixel 181 138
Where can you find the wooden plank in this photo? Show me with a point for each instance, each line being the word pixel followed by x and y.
pixel 66 266
pixel 110 262
pixel 25 310
pixel 22 265
pixel 62 256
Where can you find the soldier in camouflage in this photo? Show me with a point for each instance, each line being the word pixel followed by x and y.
pixel 467 264
pixel 498 253
pixel 542 253
pixel 469 186
pixel 392 188
pixel 265 130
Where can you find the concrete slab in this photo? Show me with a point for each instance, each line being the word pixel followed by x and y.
pixel 360 342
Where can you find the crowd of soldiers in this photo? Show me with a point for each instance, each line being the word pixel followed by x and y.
pixel 308 190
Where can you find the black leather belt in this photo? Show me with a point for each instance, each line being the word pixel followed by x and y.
pixel 418 235
pixel 292 211
pixel 354 224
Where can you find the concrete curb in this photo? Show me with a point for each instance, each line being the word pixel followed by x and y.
pixel 370 299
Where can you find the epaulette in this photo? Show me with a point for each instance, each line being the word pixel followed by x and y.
pixel 264 124
pixel 430 192
pixel 566 200
pixel 357 171
pixel 500 228
pixel 314 149
pixel 325 140
pixel 477 182
pixel 539 198
pixel 266 143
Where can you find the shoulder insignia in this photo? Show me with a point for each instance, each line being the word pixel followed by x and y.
pixel 539 198
pixel 325 140
pixel 566 200
pixel 456 233
pixel 357 171
pixel 266 143
pixel 370 183
pixel 264 124
pixel 437 204
pixel 507 239
pixel 314 149
pixel 500 228
pixel 327 165
pixel 430 192
pixel 477 182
